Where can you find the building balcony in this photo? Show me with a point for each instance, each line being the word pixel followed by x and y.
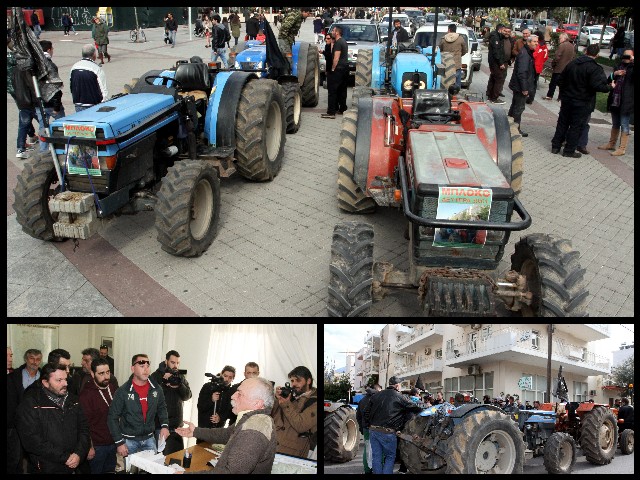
pixel 520 345
pixel 373 338
pixel 589 332
pixel 422 365
pixel 423 336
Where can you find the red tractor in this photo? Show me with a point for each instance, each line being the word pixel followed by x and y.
pixel 454 166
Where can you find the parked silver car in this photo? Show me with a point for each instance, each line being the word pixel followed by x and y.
pixel 476 56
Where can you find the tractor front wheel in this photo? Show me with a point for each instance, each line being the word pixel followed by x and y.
pixel 599 436
pixel 37 184
pixel 351 270
pixel 311 86
pixel 553 274
pixel 188 208
pixel 487 442
pixel 626 442
pixel 560 454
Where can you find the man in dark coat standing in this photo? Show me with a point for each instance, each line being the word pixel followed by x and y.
pixel 523 80
pixel 499 60
pixel 580 81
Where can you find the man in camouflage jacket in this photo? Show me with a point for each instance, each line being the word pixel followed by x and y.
pixel 289 28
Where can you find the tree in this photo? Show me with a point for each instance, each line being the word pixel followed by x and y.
pixel 340 388
pixel 623 375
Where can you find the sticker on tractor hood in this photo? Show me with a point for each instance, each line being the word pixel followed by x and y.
pixel 74 130
pixel 462 203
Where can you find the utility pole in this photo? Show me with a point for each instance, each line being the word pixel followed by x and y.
pixel 550 351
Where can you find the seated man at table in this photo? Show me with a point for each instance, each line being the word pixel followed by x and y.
pixel 251 442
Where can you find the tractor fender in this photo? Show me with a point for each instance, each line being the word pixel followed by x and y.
pixel 372 158
pixel 220 120
pixel 469 408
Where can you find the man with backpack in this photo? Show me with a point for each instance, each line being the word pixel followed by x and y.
pixel 220 36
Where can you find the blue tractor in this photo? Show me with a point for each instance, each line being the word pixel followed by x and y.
pixel 161 146
pixel 466 438
pixel 298 75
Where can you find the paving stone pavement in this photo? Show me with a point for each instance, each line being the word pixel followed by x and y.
pixel 271 255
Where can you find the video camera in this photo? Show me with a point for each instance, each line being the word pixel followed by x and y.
pixel 175 380
pixel 217 384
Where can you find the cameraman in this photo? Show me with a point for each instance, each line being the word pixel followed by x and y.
pixel 176 391
pixel 214 401
pixel 296 415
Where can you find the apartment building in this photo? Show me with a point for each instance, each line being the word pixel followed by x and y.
pixel 488 359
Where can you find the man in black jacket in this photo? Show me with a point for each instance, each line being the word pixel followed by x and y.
pixel 499 59
pixel 523 80
pixel 625 413
pixel 364 425
pixel 400 35
pixel 52 425
pixel 385 415
pixel 580 81
pixel 53 108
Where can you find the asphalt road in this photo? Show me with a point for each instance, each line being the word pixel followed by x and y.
pixel 622 464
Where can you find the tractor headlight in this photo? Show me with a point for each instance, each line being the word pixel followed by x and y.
pixel 408 85
pixel 237 65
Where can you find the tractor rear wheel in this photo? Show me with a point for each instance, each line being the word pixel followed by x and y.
pixel 351 198
pixel 37 184
pixel 553 273
pixel 418 461
pixel 560 454
pixel 364 68
pixel 486 442
pixel 449 77
pixel 292 105
pixel 626 442
pixel 341 435
pixel 359 92
pixel 351 270
pixel 311 86
pixel 188 208
pixel 599 436
pixel 517 158
pixel 260 130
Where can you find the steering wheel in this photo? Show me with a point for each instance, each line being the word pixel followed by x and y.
pixel 146 79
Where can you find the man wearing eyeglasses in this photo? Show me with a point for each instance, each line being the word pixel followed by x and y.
pixel 134 410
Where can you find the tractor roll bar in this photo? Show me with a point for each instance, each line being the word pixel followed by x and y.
pixel 504 226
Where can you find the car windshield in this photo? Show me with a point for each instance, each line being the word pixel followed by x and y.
pixel 359 33
pixel 431 17
pixel 573 28
pixel 425 39
pixel 404 21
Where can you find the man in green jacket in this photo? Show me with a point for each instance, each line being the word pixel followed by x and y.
pixel 135 407
pixel 100 34
pixel 290 27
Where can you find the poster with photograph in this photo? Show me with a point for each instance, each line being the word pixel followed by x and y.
pixel 462 203
pixel 81 157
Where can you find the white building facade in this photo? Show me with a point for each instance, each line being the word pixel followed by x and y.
pixel 488 359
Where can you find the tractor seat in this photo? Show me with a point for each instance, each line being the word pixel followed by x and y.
pixel 427 102
pixel 194 80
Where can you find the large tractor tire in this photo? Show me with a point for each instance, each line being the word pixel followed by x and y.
pixel 260 130
pixel 188 208
pixel 292 105
pixel 341 435
pixel 517 158
pixel 37 184
pixel 599 436
pixel 351 198
pixel 449 77
pixel 560 454
pixel 553 273
pixel 418 461
pixel 358 93
pixel 351 270
pixel 364 68
pixel 486 442
pixel 311 86
pixel 626 442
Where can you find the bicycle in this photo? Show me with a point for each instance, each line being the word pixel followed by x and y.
pixel 136 34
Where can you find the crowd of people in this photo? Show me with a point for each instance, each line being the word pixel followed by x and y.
pixel 86 422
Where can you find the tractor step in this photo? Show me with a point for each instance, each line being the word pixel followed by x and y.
pixel 77 216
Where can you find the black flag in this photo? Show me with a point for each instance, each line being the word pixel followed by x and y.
pixel 419 384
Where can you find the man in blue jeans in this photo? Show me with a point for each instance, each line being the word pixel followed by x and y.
pixel 385 414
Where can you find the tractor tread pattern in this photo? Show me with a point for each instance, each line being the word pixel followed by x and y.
pixel 553 453
pixel 311 87
pixel 364 68
pixel 351 198
pixel 449 63
pixel 517 158
pixel 334 450
pixel 563 286
pixel 351 270
pixel 290 91
pixel 31 202
pixel 251 152
pixel 591 435
pixel 174 208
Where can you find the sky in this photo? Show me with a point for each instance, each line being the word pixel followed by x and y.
pixel 350 338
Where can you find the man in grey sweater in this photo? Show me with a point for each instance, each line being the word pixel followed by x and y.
pixel 251 442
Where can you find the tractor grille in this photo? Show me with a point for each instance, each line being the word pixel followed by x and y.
pixel 249 65
pixel 486 257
